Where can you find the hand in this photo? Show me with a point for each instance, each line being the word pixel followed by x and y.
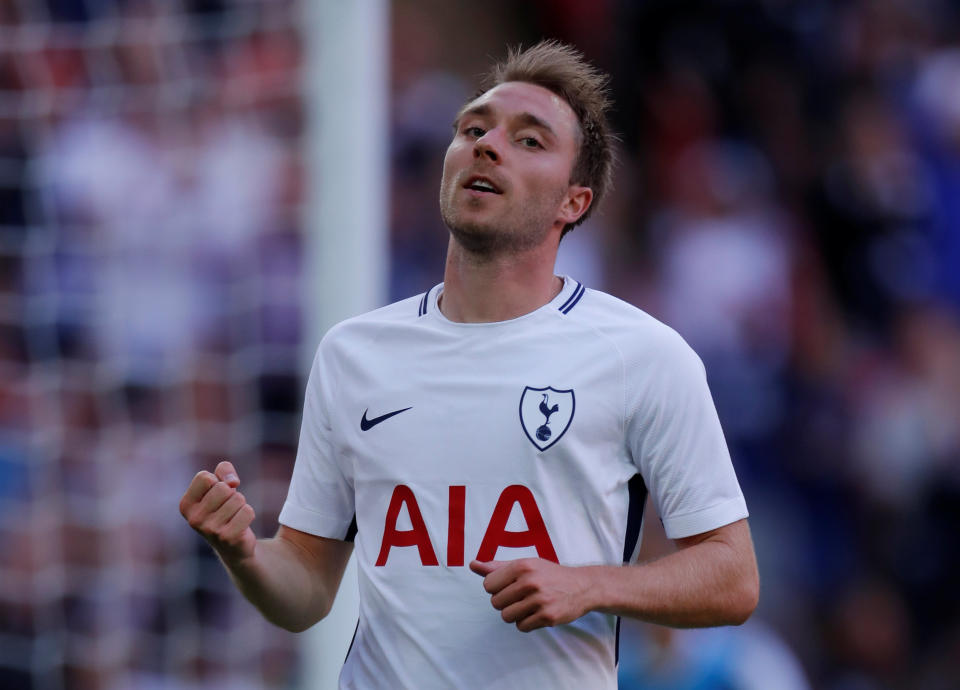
pixel 213 506
pixel 533 592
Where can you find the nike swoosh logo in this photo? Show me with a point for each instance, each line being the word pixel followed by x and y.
pixel 367 424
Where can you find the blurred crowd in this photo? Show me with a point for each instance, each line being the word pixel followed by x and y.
pixel 150 326
pixel 787 197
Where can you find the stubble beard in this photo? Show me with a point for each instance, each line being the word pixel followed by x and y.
pixel 501 236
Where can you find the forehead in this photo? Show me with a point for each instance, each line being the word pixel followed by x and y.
pixel 514 98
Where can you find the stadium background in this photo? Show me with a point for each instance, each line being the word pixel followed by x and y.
pixel 787 198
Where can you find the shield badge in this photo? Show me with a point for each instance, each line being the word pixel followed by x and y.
pixel 545 414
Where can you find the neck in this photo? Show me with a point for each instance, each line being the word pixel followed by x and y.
pixel 481 289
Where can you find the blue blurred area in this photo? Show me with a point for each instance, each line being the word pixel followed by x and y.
pixel 787 198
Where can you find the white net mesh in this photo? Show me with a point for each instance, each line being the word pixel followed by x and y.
pixel 150 185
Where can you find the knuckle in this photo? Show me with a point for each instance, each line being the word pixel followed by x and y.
pixel 204 478
pixel 195 519
pixel 220 490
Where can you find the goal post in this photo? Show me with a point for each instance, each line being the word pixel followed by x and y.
pixel 346 81
pixel 191 194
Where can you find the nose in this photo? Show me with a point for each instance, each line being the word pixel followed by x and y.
pixel 487 147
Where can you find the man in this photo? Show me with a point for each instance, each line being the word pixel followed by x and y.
pixel 507 424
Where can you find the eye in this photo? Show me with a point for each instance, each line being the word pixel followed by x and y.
pixel 531 143
pixel 474 131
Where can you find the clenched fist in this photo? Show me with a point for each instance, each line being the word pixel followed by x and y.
pixel 535 593
pixel 213 506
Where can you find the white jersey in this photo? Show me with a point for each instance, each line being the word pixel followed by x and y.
pixel 432 443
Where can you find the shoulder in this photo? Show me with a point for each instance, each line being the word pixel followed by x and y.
pixel 637 335
pixel 369 326
pixel 406 310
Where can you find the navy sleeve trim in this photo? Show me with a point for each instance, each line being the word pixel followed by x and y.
pixel 637 490
pixel 352 529
pixel 574 298
pixel 352 640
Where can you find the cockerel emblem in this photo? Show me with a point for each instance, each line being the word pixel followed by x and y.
pixel 545 414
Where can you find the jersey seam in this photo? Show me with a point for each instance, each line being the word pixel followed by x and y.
pixel 334 391
pixel 326 516
pixel 677 516
pixel 312 516
pixel 321 379
pixel 623 364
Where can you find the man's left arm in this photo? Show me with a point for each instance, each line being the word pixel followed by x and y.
pixel 711 580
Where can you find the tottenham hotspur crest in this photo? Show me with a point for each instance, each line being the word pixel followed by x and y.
pixel 545 414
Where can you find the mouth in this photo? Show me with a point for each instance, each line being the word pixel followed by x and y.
pixel 482 185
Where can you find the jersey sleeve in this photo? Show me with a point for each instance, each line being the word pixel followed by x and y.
pixel 320 500
pixel 676 441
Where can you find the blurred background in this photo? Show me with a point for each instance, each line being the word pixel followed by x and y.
pixel 787 198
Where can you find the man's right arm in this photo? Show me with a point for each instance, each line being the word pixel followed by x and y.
pixel 292 579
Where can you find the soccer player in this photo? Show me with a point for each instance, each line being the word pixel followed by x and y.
pixel 487 447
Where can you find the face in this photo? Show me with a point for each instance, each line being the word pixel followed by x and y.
pixel 506 174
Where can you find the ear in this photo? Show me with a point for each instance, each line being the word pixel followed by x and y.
pixel 575 204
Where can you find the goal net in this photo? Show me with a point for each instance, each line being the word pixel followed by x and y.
pixel 151 324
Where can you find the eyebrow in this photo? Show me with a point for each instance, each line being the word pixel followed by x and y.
pixel 532 120
pixel 525 118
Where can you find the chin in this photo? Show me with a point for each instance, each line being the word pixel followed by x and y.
pixel 489 236
pixel 475 237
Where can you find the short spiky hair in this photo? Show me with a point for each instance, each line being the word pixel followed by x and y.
pixel 562 69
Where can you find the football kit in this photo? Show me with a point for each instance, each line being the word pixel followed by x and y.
pixel 431 443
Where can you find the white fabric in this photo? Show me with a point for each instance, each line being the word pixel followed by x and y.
pixel 640 403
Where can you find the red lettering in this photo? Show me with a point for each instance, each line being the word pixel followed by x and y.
pixel 497 535
pixel 418 536
pixel 535 534
pixel 458 496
